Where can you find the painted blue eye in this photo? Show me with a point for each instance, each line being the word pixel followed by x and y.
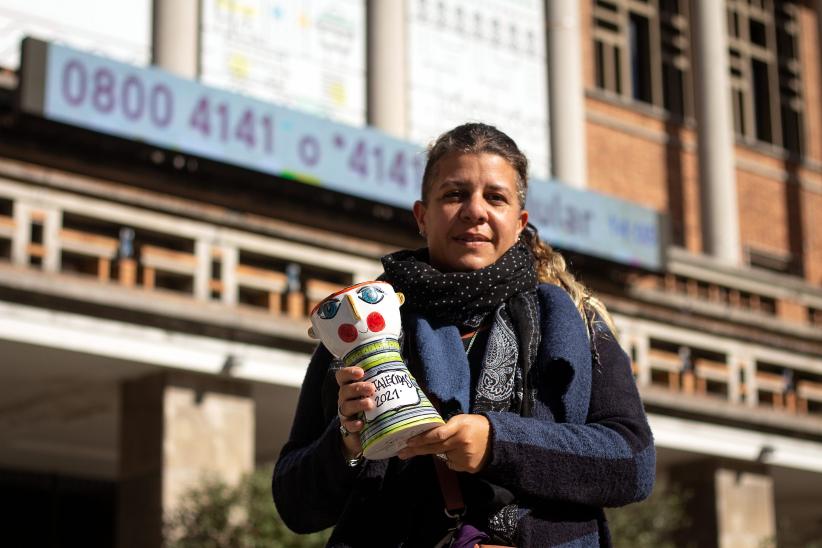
pixel 328 309
pixel 370 294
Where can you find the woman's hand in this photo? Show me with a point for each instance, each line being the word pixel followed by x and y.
pixel 465 440
pixel 353 398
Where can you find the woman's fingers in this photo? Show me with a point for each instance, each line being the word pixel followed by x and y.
pixel 353 426
pixel 464 440
pixel 353 402
pixel 346 375
pixel 354 397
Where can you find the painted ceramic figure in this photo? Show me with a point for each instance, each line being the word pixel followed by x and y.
pixel 361 326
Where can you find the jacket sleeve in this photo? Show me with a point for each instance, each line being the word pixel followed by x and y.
pixel 312 480
pixel 607 461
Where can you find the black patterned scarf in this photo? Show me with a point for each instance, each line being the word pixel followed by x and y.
pixel 459 298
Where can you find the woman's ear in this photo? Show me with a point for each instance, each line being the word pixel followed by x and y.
pixel 419 215
pixel 523 222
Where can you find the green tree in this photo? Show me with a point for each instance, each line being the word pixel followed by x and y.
pixel 652 523
pixel 216 515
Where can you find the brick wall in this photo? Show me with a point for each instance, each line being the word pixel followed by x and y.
pixel 763 221
pixel 635 155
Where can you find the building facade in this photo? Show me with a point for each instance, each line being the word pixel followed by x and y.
pixel 154 290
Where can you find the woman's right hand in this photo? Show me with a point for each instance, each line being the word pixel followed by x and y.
pixel 354 398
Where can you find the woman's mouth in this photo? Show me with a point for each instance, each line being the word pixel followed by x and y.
pixel 472 240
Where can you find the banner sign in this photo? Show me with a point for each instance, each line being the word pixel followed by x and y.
pixel 596 224
pixel 151 105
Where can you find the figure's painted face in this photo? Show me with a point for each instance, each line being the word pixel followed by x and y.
pixel 357 315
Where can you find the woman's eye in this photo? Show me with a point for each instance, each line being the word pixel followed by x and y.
pixel 328 309
pixel 371 295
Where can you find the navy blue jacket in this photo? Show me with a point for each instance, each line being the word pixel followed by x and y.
pixel 587 444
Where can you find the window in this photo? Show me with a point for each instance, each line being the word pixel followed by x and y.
pixel 641 51
pixel 765 75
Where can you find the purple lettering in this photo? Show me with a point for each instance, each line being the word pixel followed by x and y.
pixel 74 83
pixel 103 95
pixel 357 161
pixel 133 98
pixel 377 152
pixel 309 150
pixel 161 105
pixel 200 119
pixel 268 134
pixel 222 114
pixel 245 129
pixel 397 172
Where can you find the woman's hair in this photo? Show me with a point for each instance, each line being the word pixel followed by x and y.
pixel 477 138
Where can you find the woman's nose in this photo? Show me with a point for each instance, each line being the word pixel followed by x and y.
pixel 473 209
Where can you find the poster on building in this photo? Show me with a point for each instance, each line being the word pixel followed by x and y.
pixel 307 55
pixel 479 60
pixel 120 30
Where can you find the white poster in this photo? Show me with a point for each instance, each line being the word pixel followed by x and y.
pixel 118 29
pixel 479 60
pixel 303 54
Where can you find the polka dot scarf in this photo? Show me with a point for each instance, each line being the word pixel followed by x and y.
pixel 460 298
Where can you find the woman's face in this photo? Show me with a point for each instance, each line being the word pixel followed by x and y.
pixel 472 215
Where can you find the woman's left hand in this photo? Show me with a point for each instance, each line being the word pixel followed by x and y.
pixel 464 440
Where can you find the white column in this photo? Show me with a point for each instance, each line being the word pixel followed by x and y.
pixel 566 92
pixel 176 36
pixel 202 275
pixel 51 240
pixel 22 234
pixel 643 347
pixel 387 67
pixel 720 212
pixel 228 274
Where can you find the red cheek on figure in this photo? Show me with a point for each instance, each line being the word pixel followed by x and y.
pixel 347 332
pixel 375 322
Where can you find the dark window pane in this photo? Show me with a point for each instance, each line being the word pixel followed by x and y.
pixel 739 112
pixel 36 233
pixel 762 101
pixel 639 40
pixel 600 60
pixel 672 88
pixel 791 130
pixel 758 33
pixel 670 6
pixel 786 45
pixel 617 70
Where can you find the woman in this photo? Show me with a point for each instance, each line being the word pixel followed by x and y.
pixel 544 423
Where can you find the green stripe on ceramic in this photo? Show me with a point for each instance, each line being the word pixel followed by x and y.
pixel 382 345
pixel 401 426
pixel 391 418
pixel 380 359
